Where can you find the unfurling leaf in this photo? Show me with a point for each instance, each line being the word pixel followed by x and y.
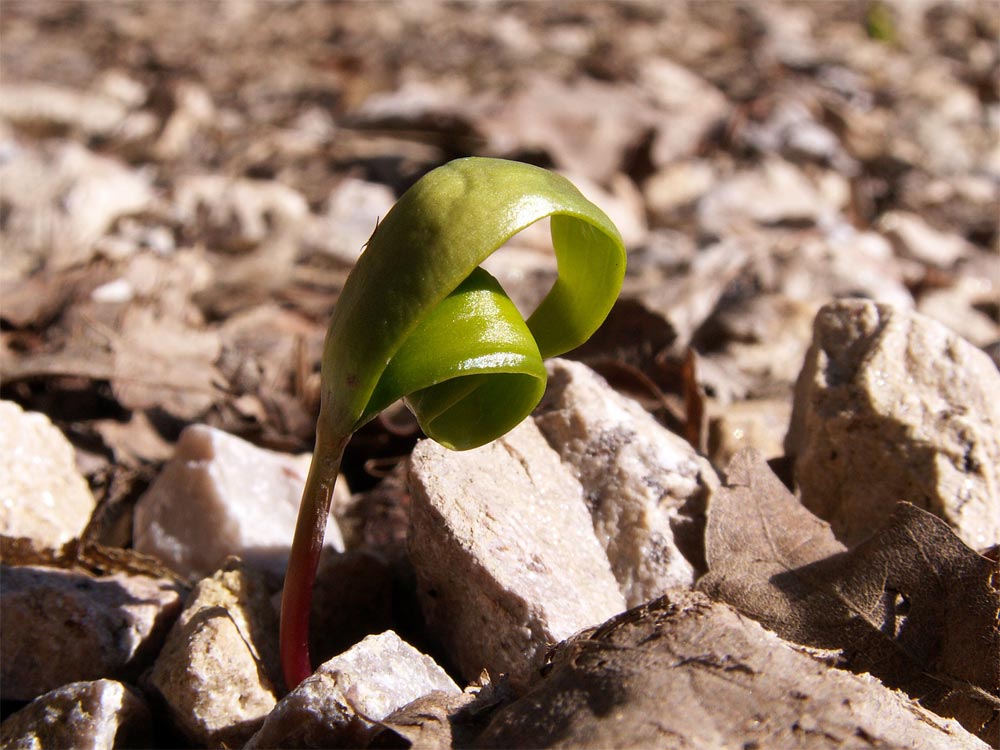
pixel 419 320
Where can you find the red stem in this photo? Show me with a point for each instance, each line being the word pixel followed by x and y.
pixel 303 559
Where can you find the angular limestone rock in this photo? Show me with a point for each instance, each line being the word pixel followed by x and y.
pixel 60 626
pixel 638 478
pixel 42 494
pixel 335 707
pixel 892 406
pixel 98 715
pixel 504 551
pixel 218 496
pixel 685 672
pixel 213 670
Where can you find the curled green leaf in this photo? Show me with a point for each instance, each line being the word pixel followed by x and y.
pixel 416 313
pixel 419 320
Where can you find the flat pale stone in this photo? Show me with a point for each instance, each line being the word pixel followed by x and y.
pixel 98 715
pixel 42 494
pixel 638 478
pixel 505 553
pixel 213 670
pixel 219 496
pixel 61 626
pixel 335 706
pixel 891 406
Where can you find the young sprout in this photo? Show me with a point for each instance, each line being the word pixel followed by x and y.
pixel 419 320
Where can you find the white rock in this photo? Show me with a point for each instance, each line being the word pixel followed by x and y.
pixel 638 478
pixel 60 626
pixel 585 125
pixel 98 715
pixel 335 707
pixel 953 307
pixel 791 128
pixel 212 671
pixel 218 496
pixel 122 87
pixel 114 292
pixel 505 554
pixel 964 305
pixel 416 102
pixel 42 494
pixel 891 406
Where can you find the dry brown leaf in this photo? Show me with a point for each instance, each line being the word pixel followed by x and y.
pixel 426 723
pixel 38 299
pixel 904 605
pixel 162 362
pixel 696 421
pixel 135 442
pixel 439 720
pixel 684 672
pixel 586 126
pixel 94 558
pixel 74 361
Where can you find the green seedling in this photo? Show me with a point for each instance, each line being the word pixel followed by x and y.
pixel 419 320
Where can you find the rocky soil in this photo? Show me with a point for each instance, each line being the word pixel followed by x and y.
pixel 760 508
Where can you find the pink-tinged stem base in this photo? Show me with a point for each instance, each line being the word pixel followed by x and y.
pixel 303 560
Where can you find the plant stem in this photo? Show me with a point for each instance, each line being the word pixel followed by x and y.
pixel 303 559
